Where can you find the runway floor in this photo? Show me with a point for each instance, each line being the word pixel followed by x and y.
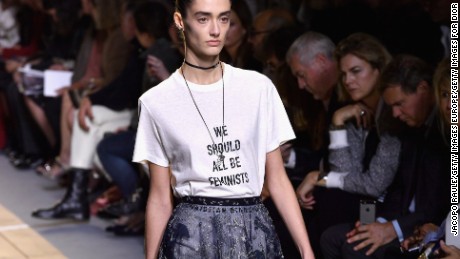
pixel 22 236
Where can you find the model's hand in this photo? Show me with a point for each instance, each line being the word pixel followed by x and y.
pixel 305 190
pixel 374 234
pixel 451 252
pixel 361 113
pixel 419 235
pixel 84 111
pixel 156 68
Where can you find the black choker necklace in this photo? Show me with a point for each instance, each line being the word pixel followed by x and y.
pixel 202 68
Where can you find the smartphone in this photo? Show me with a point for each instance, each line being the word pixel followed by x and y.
pixel 367 211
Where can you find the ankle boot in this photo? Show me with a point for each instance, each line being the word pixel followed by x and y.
pixel 75 203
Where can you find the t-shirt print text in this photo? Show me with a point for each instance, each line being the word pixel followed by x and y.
pixel 229 162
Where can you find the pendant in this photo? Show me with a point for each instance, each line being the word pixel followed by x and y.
pixel 220 159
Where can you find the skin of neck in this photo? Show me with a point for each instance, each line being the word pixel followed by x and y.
pixel 200 76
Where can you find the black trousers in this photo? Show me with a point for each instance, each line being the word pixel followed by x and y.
pixel 24 134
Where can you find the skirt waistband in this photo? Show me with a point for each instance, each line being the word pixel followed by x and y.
pixel 211 201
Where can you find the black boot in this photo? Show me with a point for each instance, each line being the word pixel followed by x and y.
pixel 75 203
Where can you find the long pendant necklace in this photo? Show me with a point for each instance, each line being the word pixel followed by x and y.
pixel 220 155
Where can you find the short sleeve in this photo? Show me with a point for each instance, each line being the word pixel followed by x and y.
pixel 279 127
pixel 149 145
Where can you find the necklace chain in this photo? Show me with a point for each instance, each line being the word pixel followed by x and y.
pixel 220 156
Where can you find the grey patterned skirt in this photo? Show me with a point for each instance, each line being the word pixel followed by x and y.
pixel 220 228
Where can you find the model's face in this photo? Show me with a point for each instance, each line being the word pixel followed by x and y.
pixel 358 77
pixel 309 77
pixel 444 102
pixel 412 109
pixel 236 32
pixel 205 26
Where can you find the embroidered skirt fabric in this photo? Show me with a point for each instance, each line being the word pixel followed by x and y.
pixel 220 228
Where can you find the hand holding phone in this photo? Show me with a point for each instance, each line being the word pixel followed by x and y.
pixel 367 212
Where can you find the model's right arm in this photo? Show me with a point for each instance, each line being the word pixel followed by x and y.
pixel 159 208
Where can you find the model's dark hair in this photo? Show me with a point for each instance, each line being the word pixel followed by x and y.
pixel 152 18
pixel 181 6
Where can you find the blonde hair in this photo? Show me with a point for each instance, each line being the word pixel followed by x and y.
pixel 365 47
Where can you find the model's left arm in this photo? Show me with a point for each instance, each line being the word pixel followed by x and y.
pixel 283 196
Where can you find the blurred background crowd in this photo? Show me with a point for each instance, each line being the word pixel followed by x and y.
pixel 366 84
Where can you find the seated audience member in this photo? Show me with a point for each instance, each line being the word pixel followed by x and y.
pixel 86 65
pixel 237 51
pixel 93 121
pixel 419 192
pixel 303 111
pixel 101 57
pixel 24 141
pixel 304 153
pixel 31 20
pixel 264 23
pixel 430 232
pixel 363 152
pixel 59 53
pixel 116 151
pixel 311 59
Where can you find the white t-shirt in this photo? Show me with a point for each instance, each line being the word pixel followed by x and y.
pixel 172 134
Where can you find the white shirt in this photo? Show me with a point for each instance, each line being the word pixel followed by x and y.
pixel 172 134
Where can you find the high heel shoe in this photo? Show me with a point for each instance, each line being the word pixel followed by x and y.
pixel 52 170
